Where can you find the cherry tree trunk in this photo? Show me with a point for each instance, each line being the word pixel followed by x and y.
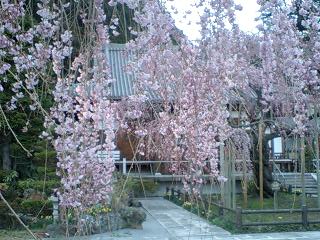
pixel 267 171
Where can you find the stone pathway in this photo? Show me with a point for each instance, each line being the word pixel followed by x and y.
pixel 180 223
pixel 167 221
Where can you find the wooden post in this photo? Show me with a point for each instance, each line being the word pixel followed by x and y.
pixel 275 199
pixel 304 216
pixel 220 211
pixel 303 170
pixel 245 184
pixel 239 217
pixel 124 165
pixel 261 162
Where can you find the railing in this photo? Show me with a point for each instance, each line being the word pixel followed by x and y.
pixel 278 156
pixel 126 162
pixel 238 215
pixel 305 221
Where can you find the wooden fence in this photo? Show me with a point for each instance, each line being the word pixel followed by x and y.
pixel 239 214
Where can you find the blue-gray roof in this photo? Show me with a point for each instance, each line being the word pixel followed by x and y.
pixel 118 59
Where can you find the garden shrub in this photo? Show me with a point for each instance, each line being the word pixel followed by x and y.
pixel 133 187
pixel 33 207
pixel 133 217
pixel 138 188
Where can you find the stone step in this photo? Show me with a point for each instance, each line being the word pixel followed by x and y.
pixel 307 187
pixel 299 182
pixel 308 191
pixel 296 176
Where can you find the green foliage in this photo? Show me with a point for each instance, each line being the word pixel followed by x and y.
pixel 49 173
pixel 3 186
pixel 252 188
pixel 227 221
pixel 187 205
pixel 139 187
pixel 225 224
pixel 33 207
pixel 35 213
pixel 98 209
pixel 125 16
pixel 38 185
pixel 136 187
pixel 7 183
pixel 45 154
pixel 8 176
pixel 309 155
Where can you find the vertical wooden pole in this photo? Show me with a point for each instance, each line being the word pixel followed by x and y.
pixel 304 216
pixel 275 199
pixel 318 167
pixel 316 143
pixel 261 162
pixel 239 217
pixel 245 184
pixel 124 166
pixel 303 170
pixel 229 174
pixel 244 169
pixel 234 188
pixel 223 173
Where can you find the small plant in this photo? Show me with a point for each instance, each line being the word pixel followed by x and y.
pixel 10 177
pixel 187 205
pixel 99 209
pixel 3 186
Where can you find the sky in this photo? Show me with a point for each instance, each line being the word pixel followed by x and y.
pixel 245 18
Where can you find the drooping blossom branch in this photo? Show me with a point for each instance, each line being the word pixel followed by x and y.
pixel 84 116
